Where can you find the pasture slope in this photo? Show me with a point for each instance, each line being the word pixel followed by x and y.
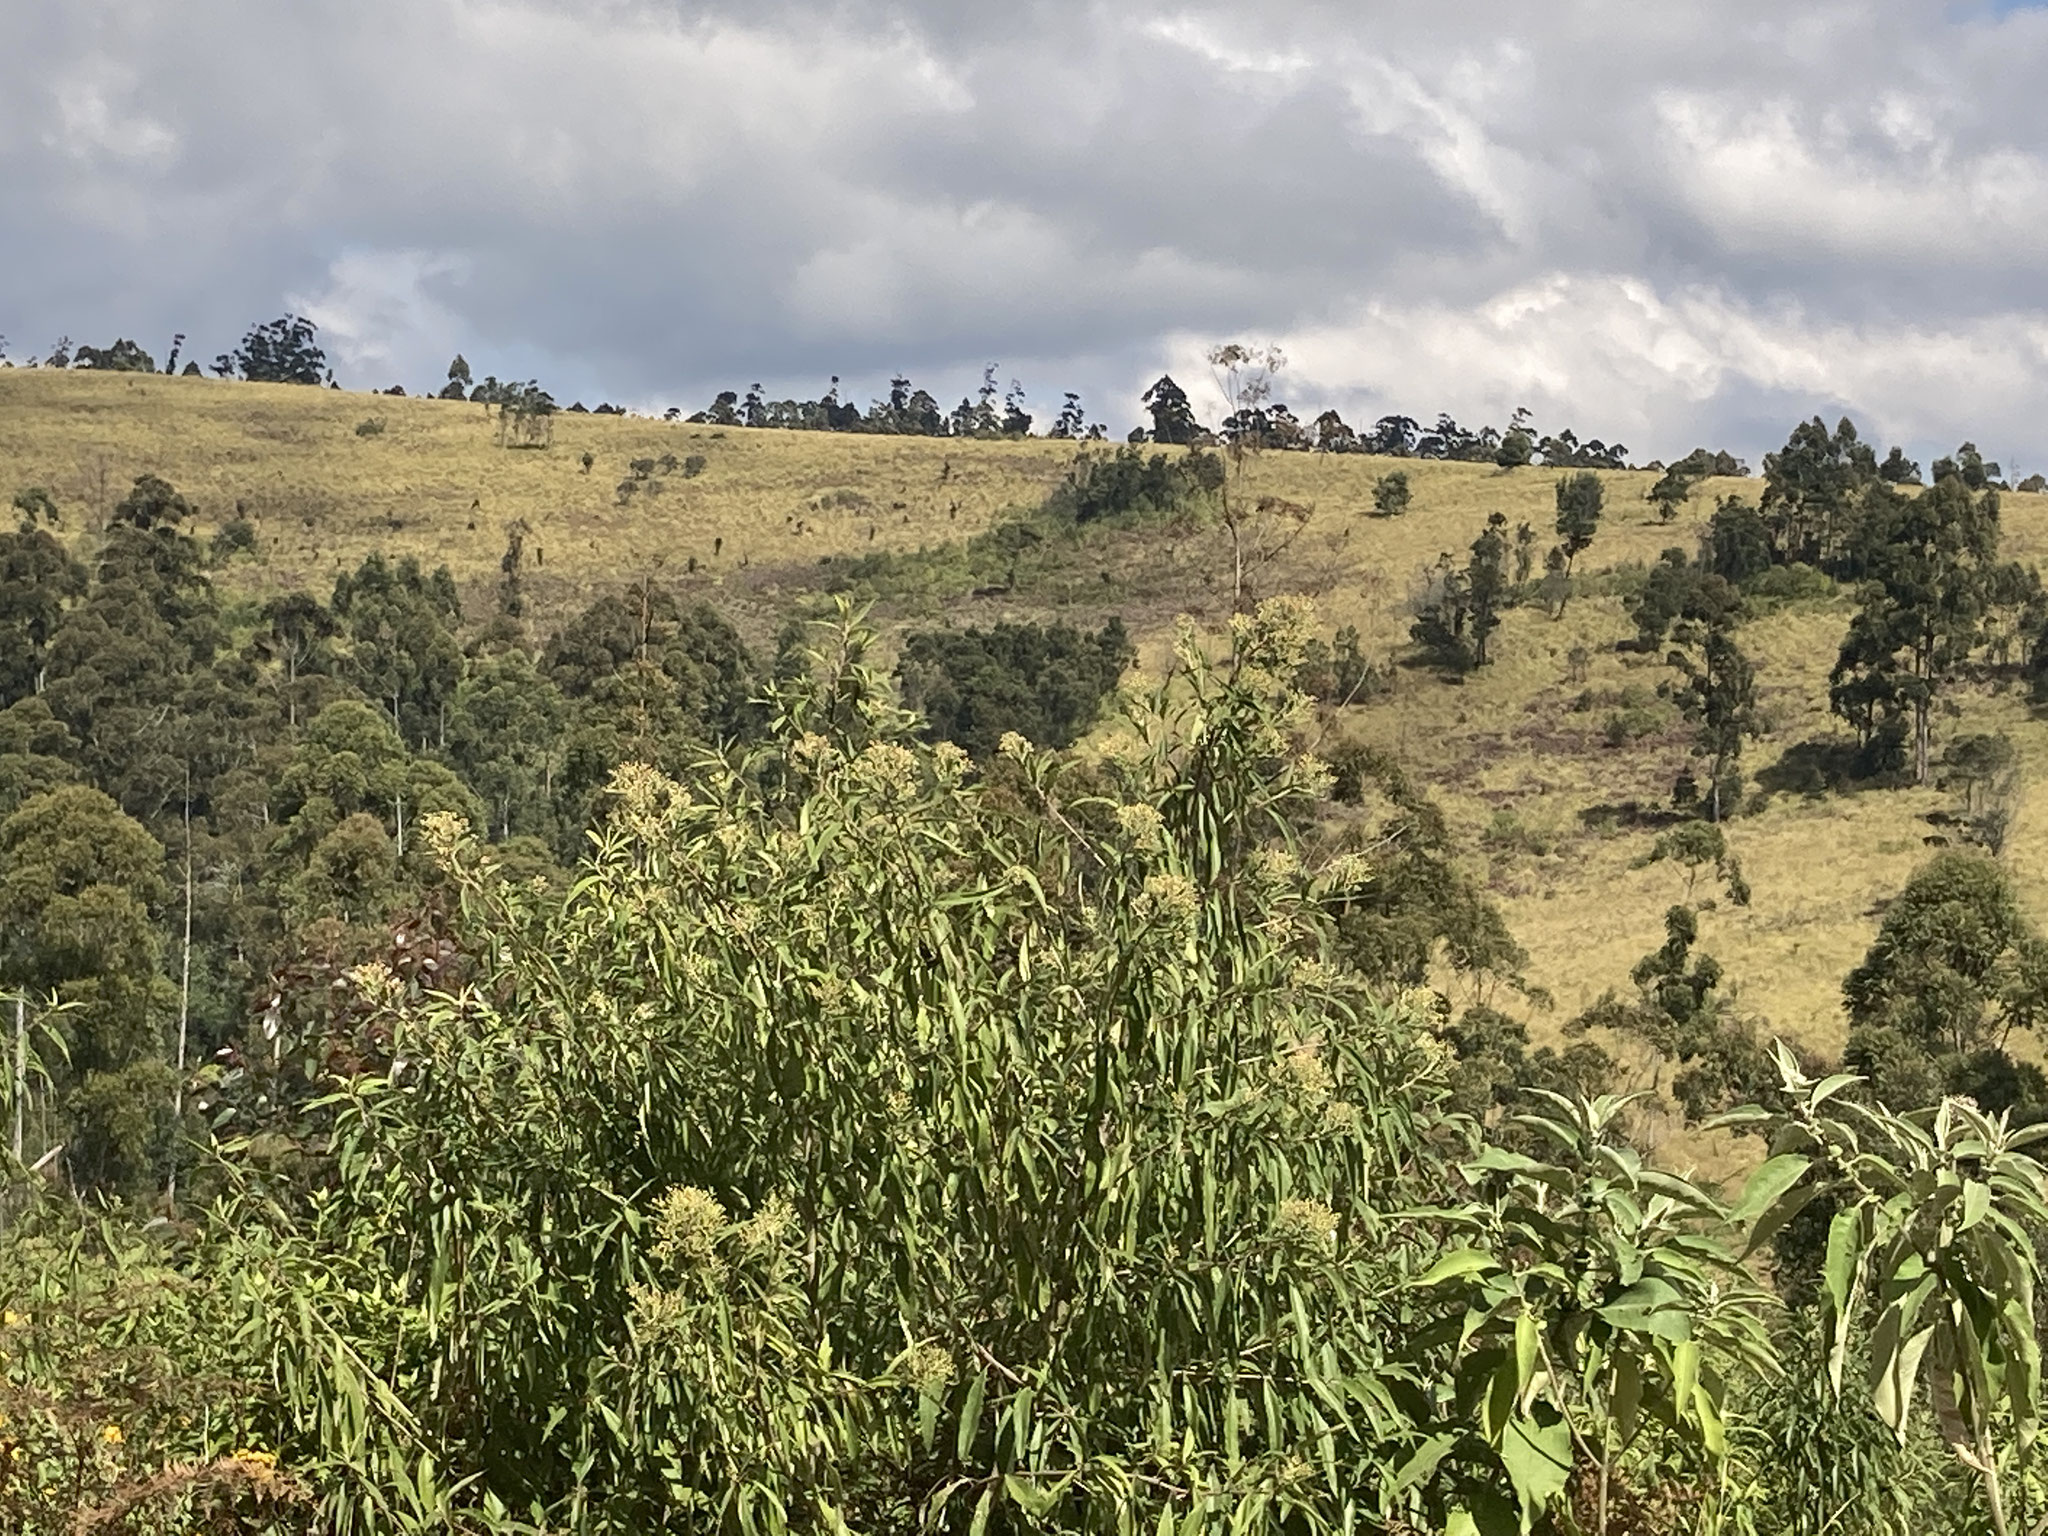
pixel 1518 754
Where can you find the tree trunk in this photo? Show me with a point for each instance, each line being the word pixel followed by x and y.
pixel 1920 741
pixel 20 1068
pixel 184 1011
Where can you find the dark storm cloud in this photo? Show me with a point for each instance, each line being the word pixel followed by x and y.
pixel 1667 223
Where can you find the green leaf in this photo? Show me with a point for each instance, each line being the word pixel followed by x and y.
pixel 1976 1202
pixel 1423 1462
pixel 1767 1186
pixel 1455 1264
pixel 1895 1378
pixel 1538 1458
pixel 970 1416
pixel 1526 1346
pixel 1838 1274
pixel 1685 1372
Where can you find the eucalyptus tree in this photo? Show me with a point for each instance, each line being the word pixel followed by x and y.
pixel 1929 563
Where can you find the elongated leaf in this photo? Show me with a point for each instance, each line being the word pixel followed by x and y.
pixel 1456 1264
pixel 1895 1378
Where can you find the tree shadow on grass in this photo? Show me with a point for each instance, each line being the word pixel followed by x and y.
pixel 1818 767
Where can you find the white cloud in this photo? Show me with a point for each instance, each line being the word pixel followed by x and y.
pixel 1681 220
pixel 377 315
pixel 95 118
pixel 1666 371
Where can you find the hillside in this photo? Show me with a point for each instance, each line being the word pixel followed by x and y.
pixel 1539 798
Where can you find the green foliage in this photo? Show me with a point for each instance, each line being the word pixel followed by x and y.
pixel 1955 968
pixel 79 886
pixel 1497 1076
pixel 1461 609
pixel 1696 845
pixel 38 579
pixel 1937 1218
pixel 1579 500
pixel 399 647
pixel 1338 672
pixel 281 351
pixel 1677 589
pixel 1821 1464
pixel 1929 559
pixel 1390 494
pixel 124 356
pixel 1680 1014
pixel 1986 769
pixel 872 1152
pixel 125 1403
pixel 1119 489
pixel 1813 492
pixel 1173 418
pixel 1419 909
pixel 1126 484
pixel 1737 544
pixel 1715 689
pixel 1046 684
pixel 1601 1323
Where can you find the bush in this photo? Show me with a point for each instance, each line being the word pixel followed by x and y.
pixel 976 686
pixel 811 1157
pixel 1390 494
pixel 237 536
pixel 370 426
pixel 1127 485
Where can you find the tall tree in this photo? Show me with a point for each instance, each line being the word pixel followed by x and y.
pixel 1955 968
pixel 1173 418
pixel 1717 693
pixel 80 885
pixel 401 650
pixel 281 351
pixel 1579 500
pixel 1814 488
pixel 1929 561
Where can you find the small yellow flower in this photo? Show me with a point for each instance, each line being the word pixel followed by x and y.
pixel 688 1223
pixel 1141 823
pixel 111 1433
pixel 928 1370
pixel 1305 1224
pixel 12 1318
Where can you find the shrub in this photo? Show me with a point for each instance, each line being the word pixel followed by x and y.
pixel 1390 494
pixel 976 686
pixel 370 426
pixel 817 1156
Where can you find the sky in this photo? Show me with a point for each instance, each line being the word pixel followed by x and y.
pixel 1666 225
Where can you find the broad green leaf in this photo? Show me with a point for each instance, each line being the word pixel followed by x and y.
pixel 1976 1202
pixel 1538 1458
pixel 1768 1185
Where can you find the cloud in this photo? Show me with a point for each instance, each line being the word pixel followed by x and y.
pixel 1665 223
pixel 380 310
pixel 1666 371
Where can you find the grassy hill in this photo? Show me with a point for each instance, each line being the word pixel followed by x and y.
pixel 1519 754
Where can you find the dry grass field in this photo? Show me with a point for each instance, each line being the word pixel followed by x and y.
pixel 1539 796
